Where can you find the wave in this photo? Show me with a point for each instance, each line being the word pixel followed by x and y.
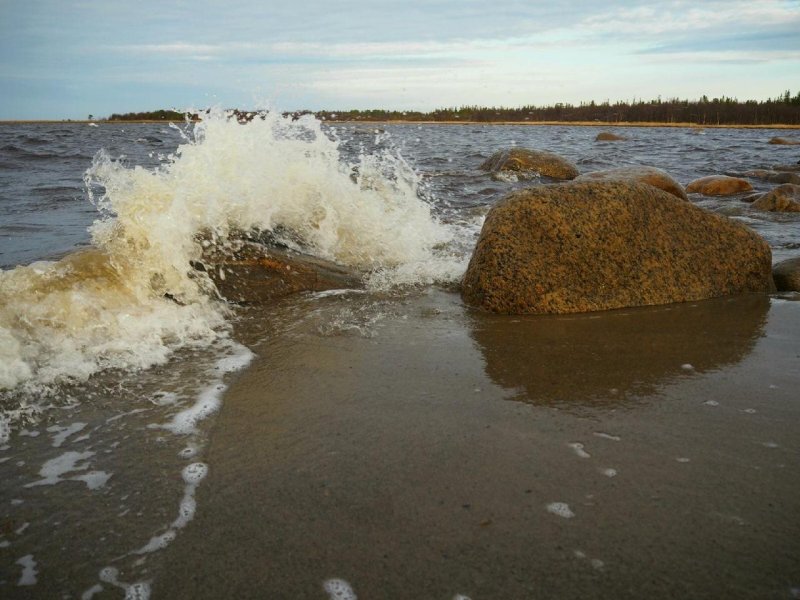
pixel 132 299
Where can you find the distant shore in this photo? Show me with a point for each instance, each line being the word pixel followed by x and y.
pixel 411 122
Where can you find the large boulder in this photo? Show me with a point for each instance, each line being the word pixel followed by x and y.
pixel 650 175
pixel 606 136
pixel 781 141
pixel 719 185
pixel 522 160
pixel 784 198
pixel 588 246
pixel 787 275
pixel 254 273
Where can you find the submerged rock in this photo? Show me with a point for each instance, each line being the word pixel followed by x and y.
pixel 784 198
pixel 719 185
pixel 253 273
pixel 588 246
pixel 774 175
pixel 522 160
pixel 606 136
pixel 787 275
pixel 781 141
pixel 641 174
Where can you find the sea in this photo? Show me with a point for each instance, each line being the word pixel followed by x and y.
pixel 116 355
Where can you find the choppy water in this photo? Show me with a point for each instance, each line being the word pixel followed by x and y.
pixel 97 224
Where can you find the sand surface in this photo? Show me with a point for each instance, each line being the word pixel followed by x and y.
pixel 419 449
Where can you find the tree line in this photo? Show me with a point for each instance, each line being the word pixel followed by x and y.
pixel 783 110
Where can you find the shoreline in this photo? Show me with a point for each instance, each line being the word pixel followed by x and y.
pixel 555 457
pixel 782 126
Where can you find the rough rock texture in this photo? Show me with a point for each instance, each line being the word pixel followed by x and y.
pixel 719 185
pixel 787 275
pixel 784 198
pixel 650 175
pixel 605 136
pixel 781 141
pixel 587 246
pixel 539 161
pixel 255 273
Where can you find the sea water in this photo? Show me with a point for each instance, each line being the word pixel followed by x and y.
pixel 115 354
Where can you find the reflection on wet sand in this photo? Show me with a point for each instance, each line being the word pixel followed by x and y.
pixel 606 358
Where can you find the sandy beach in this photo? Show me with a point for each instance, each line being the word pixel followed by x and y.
pixel 426 450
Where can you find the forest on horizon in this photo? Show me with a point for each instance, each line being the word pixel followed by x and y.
pixel 782 110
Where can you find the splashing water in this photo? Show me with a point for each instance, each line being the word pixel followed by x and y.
pixel 132 298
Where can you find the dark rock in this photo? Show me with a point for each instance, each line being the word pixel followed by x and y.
pixel 784 198
pixel 605 136
pixel 719 185
pixel 649 175
pixel 787 275
pixel 781 141
pixel 253 273
pixel 521 160
pixel 588 246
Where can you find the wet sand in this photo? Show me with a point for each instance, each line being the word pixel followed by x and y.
pixel 418 449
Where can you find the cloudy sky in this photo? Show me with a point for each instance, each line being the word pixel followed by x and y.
pixel 69 59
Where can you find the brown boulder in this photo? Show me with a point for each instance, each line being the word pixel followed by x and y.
pixel 253 273
pixel 532 161
pixel 605 136
pixel 588 246
pixel 781 141
pixel 649 175
pixel 784 198
pixel 787 275
pixel 719 185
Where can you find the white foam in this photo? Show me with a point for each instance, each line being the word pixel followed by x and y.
pixel 90 593
pixel 131 299
pixel 29 571
pixel 158 542
pixel 339 589
pixel 29 433
pixel 54 468
pixel 683 459
pixel 21 529
pixel 597 563
pixel 561 509
pixel 5 429
pixel 93 479
pixel 134 591
pixel 5 544
pixel 607 436
pixel 62 433
pixel 711 403
pixel 609 472
pixel 577 447
pixel 210 399
pixel 687 367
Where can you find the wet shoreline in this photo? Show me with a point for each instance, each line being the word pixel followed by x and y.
pixel 413 458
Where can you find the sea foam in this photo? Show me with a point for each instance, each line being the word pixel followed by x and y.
pixel 132 298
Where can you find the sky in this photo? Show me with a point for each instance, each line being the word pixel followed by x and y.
pixel 65 59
